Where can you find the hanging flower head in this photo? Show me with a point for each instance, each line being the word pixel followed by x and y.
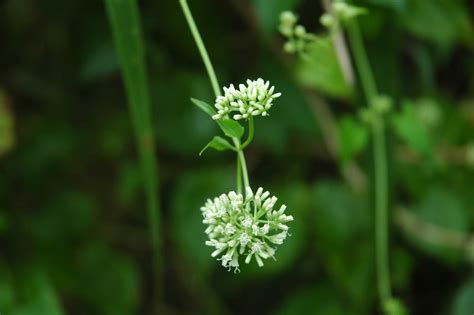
pixel 247 226
pixel 253 99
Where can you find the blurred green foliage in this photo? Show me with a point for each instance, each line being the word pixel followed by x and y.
pixel 73 226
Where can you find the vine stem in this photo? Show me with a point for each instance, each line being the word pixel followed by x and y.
pixel 380 164
pixel 241 163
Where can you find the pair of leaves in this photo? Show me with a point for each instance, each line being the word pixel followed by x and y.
pixel 230 127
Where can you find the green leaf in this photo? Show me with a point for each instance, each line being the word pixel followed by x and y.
pixel 116 289
pixel 395 307
pixel 37 294
pixel 320 69
pixel 218 143
pixel 353 138
pixel 341 215
pixel 231 128
pixel 439 21
pixel 443 208
pixel 464 299
pixel 205 107
pixel 397 5
pixel 409 127
pixel 7 288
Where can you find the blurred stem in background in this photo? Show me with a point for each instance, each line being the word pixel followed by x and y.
pixel 126 29
pixel 241 163
pixel 380 164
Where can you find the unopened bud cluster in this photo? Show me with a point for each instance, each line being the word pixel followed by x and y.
pixel 253 99
pixel 341 11
pixel 244 226
pixel 296 34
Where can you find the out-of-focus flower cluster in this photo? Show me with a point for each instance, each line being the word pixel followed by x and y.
pixel 253 99
pixel 247 226
pixel 297 37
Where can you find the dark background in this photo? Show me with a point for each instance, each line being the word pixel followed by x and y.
pixel 73 225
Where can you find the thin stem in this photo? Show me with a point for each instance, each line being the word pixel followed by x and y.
pixel 201 47
pixel 381 206
pixel 239 177
pixel 380 165
pixel 215 84
pixel 362 62
pixel 241 157
pixel 250 134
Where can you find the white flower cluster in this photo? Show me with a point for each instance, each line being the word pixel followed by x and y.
pixel 247 225
pixel 253 99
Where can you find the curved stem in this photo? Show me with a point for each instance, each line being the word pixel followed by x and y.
pixel 380 165
pixel 250 134
pixel 215 84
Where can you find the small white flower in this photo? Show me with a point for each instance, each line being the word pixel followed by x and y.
pixel 253 99
pixel 248 226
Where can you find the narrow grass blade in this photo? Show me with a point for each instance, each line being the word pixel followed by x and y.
pixel 126 29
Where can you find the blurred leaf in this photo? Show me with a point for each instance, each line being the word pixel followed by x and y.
pixel 218 143
pixel 191 192
pixel 7 138
pixel 411 130
pixel 7 290
pixel 116 289
pixel 464 299
pixel 402 266
pixel 439 21
pixel 341 215
pixel 353 138
pixel 68 215
pixel 398 5
pixel 395 307
pixel 319 69
pixel 343 237
pixel 208 109
pixel 100 62
pixel 37 295
pixel 441 207
pixel 231 128
pixel 180 120
pixel 321 300
pixel 129 183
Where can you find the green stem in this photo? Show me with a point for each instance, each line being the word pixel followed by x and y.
pixel 245 175
pixel 380 165
pixel 362 62
pixel 250 134
pixel 201 47
pixel 239 178
pixel 215 84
